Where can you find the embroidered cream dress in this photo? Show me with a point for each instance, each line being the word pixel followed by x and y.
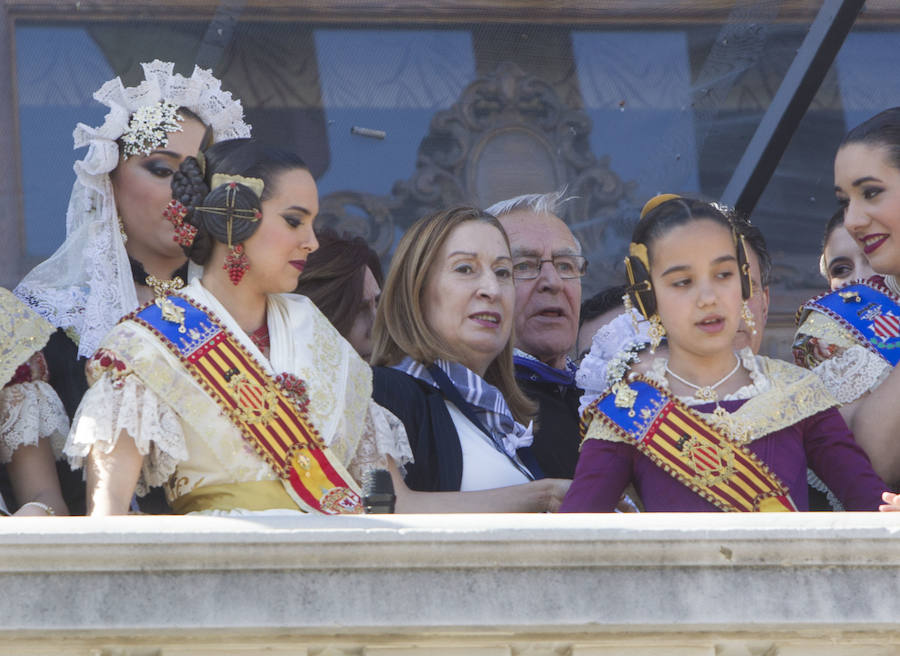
pixel 29 408
pixel 191 448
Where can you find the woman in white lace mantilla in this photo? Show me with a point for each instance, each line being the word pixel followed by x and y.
pixel 33 423
pixel 855 372
pixel 151 418
pixel 116 231
pixel 115 211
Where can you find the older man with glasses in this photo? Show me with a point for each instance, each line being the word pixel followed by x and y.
pixel 547 268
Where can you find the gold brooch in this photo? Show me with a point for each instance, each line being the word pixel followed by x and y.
pixel 161 289
pixel 625 397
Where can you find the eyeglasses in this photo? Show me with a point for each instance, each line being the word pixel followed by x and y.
pixel 567 266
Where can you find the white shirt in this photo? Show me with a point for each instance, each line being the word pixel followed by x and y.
pixel 484 468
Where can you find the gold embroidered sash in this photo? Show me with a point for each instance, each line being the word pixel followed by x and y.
pixel 22 333
pixel 689 449
pixel 270 414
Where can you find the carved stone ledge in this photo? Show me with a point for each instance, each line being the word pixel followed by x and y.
pixel 704 583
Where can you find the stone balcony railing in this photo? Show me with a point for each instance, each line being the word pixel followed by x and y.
pixel 483 585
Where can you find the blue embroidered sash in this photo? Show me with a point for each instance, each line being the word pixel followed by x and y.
pixel 868 311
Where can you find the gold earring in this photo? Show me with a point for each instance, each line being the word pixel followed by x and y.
pixel 656 332
pixel 629 308
pixel 747 316
pixel 122 228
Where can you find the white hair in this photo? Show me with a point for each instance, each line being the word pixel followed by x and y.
pixel 539 203
pixel 549 203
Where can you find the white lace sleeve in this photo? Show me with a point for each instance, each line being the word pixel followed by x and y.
pixel 110 407
pixel 30 412
pixel 851 373
pixel 384 435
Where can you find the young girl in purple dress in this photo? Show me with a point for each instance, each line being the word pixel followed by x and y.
pixel 708 428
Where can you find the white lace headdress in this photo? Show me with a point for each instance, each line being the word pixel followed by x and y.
pixel 86 285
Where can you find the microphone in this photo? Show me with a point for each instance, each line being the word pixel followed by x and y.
pixel 378 492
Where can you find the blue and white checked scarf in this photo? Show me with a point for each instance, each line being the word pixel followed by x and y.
pixel 490 407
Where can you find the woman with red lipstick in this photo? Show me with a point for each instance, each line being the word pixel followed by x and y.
pixel 707 428
pixel 442 351
pixel 231 393
pixel 850 337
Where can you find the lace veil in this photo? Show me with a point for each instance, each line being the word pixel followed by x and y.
pixel 86 285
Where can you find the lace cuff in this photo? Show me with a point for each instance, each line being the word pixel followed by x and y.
pixel 851 373
pixel 30 412
pixel 818 484
pixel 111 406
pixel 383 435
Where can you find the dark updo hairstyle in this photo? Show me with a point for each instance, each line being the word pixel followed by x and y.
pixel 207 209
pixel 335 274
pixel 657 219
pixel 882 130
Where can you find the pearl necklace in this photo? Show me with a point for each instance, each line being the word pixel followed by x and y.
pixel 706 392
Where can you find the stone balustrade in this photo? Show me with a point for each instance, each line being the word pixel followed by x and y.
pixel 479 585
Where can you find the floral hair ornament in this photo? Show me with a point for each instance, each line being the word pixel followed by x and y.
pixel 148 128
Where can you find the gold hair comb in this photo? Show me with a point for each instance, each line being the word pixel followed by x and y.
pixel 255 184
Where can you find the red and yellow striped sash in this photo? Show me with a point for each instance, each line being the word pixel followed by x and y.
pixel 689 449
pixel 270 414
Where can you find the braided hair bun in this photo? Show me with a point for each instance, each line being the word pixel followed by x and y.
pixel 209 210
pixel 190 188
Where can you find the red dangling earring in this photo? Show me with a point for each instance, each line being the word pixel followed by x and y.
pixel 236 263
pixel 184 232
pixel 175 212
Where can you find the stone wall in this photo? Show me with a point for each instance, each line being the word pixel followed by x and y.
pixel 480 585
